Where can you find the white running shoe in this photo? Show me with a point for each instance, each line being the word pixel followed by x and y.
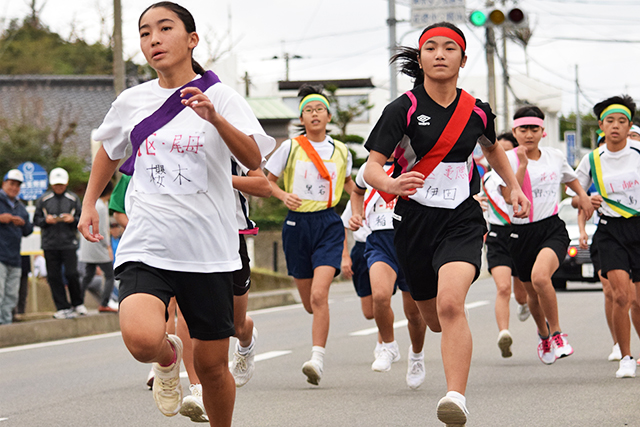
pixel 415 371
pixel 313 370
pixel 560 346
pixel 546 351
pixel 376 351
pixel 65 313
pixel 150 379
pixel 192 406
pixel 167 390
pixel 504 342
pixel 627 368
pixel 80 310
pixel 389 353
pixel 243 365
pixel 523 312
pixel 616 354
pixel 452 412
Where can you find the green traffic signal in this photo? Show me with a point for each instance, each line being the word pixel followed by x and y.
pixel 478 18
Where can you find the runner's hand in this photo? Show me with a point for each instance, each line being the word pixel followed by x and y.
pixel 355 222
pixel 292 201
pixel 520 203
pixel 406 184
pixel 596 201
pixel 345 267
pixel 193 98
pixel 89 224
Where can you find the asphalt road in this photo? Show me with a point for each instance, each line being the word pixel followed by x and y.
pixel 95 382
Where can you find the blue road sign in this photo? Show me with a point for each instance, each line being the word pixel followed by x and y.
pixel 36 181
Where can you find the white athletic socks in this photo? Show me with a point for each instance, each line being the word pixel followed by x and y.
pixel 317 354
pixel 245 350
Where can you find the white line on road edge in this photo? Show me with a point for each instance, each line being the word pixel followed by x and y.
pixel 59 342
pixel 259 358
pixel 402 323
pixel 275 309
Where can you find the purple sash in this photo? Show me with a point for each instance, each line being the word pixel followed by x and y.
pixel 163 115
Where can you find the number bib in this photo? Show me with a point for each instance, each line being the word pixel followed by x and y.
pixel 308 184
pixel 446 187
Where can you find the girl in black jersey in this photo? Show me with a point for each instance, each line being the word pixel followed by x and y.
pixel 438 225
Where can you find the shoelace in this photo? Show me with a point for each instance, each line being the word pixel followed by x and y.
pixel 546 345
pixel 241 362
pixel 168 385
pixel 558 341
pixel 416 367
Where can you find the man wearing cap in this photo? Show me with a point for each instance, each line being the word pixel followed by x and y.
pixel 57 214
pixel 14 224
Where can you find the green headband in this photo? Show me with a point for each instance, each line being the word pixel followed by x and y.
pixel 616 108
pixel 313 97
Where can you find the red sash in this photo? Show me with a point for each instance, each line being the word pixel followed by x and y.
pixel 447 140
pixel 374 192
pixel 318 163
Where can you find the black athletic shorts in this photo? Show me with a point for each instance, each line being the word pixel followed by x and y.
pixel 619 245
pixel 595 254
pixel 242 277
pixel 205 299
pixel 427 238
pixel 498 248
pixel 527 240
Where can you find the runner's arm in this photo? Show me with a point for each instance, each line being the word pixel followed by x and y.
pixel 404 185
pixel 498 160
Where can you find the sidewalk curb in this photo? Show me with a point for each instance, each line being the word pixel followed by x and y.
pixel 94 323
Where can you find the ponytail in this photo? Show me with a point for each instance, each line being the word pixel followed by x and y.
pixel 197 68
pixel 407 57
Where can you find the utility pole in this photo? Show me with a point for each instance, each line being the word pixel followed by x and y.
pixel 393 75
pixel 247 84
pixel 578 118
pixel 287 57
pixel 505 81
pixel 491 69
pixel 119 83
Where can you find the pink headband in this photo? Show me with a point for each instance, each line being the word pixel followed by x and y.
pixel 444 32
pixel 529 121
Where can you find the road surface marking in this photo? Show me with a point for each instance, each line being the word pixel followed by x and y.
pixel 259 358
pixel 59 342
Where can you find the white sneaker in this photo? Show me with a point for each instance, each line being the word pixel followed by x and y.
pixel 415 371
pixel 615 353
pixel 523 312
pixel 452 412
pixel 376 351
pixel 192 406
pixel 560 345
pixel 389 353
pixel 80 310
pixel 167 390
pixel 546 351
pixel 313 370
pixel 504 342
pixel 627 368
pixel 65 313
pixel 243 365
pixel 113 304
pixel 150 379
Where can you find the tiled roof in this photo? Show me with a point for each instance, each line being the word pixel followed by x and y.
pixel 49 98
pixel 270 109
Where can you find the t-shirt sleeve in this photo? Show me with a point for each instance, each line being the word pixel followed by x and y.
pixel 583 172
pixel 390 128
pixel 346 215
pixel 568 174
pixel 112 135
pixel 360 183
pixel 349 163
pixel 278 159
pixel 489 118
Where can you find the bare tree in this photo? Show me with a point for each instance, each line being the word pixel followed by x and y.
pixel 522 36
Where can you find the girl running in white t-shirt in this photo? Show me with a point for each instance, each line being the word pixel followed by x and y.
pixel 182 237
pixel 614 168
pixel 538 243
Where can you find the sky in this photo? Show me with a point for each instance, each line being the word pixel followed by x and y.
pixel 349 39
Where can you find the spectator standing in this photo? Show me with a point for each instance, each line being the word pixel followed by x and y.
pixel 100 254
pixel 14 224
pixel 57 214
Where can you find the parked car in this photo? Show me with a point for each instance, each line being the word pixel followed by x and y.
pixel 577 264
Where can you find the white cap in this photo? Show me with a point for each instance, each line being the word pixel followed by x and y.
pixel 15 175
pixel 58 176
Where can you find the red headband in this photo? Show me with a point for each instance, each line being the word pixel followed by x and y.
pixel 445 32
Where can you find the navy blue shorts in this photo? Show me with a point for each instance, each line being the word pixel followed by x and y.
pixel 527 240
pixel 310 240
pixel 380 248
pixel 361 281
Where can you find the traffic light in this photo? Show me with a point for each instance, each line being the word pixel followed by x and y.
pixel 496 17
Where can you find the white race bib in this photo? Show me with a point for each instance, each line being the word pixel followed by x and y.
pixel 308 184
pixel 446 187
pixel 624 188
pixel 172 162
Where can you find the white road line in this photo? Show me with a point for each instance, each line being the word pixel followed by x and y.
pixel 59 342
pixel 402 323
pixel 4 419
pixel 275 309
pixel 259 358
